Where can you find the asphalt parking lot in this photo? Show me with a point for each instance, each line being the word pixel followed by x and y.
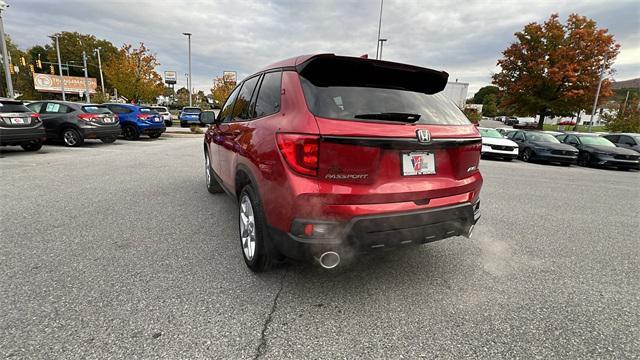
pixel 119 251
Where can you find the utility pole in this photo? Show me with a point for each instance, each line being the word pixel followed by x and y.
pixel 5 58
pixel 381 43
pixel 595 101
pixel 100 68
pixel 379 29
pixel 86 78
pixel 64 97
pixel 189 81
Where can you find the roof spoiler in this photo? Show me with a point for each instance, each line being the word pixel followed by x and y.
pixel 332 70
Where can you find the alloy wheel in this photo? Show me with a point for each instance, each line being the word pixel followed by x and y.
pixel 247 228
pixel 70 137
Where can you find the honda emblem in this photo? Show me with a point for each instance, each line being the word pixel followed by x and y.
pixel 424 136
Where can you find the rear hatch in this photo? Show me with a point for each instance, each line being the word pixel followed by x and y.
pixel 387 125
pixel 13 114
pixel 98 114
pixel 150 115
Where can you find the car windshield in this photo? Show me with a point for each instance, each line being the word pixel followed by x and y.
pixel 540 137
pixel 94 109
pixel 192 110
pixel 490 133
pixel 378 104
pixel 596 140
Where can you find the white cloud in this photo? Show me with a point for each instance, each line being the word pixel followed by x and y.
pixel 464 38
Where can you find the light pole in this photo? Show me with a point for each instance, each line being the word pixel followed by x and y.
pixel 378 50
pixel 100 68
pixel 595 101
pixel 189 82
pixel 86 78
pixel 5 57
pixel 381 43
pixel 56 38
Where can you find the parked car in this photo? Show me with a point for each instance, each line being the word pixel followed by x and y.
pixel 496 145
pixel 73 123
pixel 525 123
pixel 597 150
pixel 190 116
pixel 164 114
pixel 505 131
pixel 536 145
pixel 626 140
pixel 20 126
pixel 511 120
pixel 358 155
pixel 138 120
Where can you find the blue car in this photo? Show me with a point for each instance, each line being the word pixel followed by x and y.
pixel 138 120
pixel 190 116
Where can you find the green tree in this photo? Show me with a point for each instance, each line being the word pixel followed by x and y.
pixel 489 106
pixel 627 119
pixel 479 97
pixel 132 72
pixel 554 68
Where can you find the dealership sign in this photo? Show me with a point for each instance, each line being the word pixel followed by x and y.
pixel 170 77
pixel 72 84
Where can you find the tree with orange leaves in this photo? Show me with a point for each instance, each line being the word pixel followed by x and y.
pixel 132 72
pixel 554 69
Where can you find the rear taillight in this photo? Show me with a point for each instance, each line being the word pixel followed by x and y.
pixel 300 151
pixel 35 117
pixel 142 116
pixel 88 117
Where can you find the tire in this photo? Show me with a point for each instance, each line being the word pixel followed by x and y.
pixel 168 123
pixel 108 140
pixel 130 132
pixel 584 159
pixel 72 137
pixel 155 136
pixel 527 155
pixel 183 124
pixel 256 248
pixel 32 146
pixel 212 184
pixel 508 159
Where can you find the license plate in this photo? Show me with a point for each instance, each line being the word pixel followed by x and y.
pixel 418 163
pixel 17 120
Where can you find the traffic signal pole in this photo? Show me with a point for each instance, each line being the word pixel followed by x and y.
pixel 5 57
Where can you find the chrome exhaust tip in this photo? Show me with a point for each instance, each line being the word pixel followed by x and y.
pixel 329 259
pixel 469 232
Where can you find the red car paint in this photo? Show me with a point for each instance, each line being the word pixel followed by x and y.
pixel 351 180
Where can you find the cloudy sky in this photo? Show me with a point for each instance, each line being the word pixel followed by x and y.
pixel 465 38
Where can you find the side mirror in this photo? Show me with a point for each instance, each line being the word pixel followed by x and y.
pixel 207 117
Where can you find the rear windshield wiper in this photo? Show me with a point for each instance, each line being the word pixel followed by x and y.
pixel 392 116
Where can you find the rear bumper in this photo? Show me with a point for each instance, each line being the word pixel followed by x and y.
pixel 152 128
pixel 19 136
pixel 101 132
pixel 368 233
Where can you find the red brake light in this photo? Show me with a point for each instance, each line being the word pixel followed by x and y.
pixel 88 117
pixel 300 151
pixel 35 116
pixel 142 116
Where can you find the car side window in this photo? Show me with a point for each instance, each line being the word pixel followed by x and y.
pixel 268 101
pixel 242 108
pixel 35 107
pixel 626 140
pixel 572 139
pixel 119 109
pixel 519 136
pixel 227 109
pixel 55 108
pixel 561 138
pixel 613 138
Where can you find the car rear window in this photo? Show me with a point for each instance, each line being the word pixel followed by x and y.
pixel 94 109
pixel 13 107
pixel 362 103
pixel 192 110
pixel 160 109
pixel 147 110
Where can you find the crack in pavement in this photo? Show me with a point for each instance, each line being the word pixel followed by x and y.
pixel 261 350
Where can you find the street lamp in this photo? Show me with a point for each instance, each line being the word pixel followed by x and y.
pixel 56 38
pixel 378 50
pixel 189 80
pixel 100 68
pixel 5 57
pixel 381 43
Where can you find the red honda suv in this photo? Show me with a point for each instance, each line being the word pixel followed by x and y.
pixel 329 155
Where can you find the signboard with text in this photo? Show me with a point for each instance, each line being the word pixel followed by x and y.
pixel 170 77
pixel 72 84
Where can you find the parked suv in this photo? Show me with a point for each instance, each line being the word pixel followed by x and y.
pixel 189 116
pixel 72 123
pixel 164 114
pixel 329 155
pixel 138 120
pixel 20 126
